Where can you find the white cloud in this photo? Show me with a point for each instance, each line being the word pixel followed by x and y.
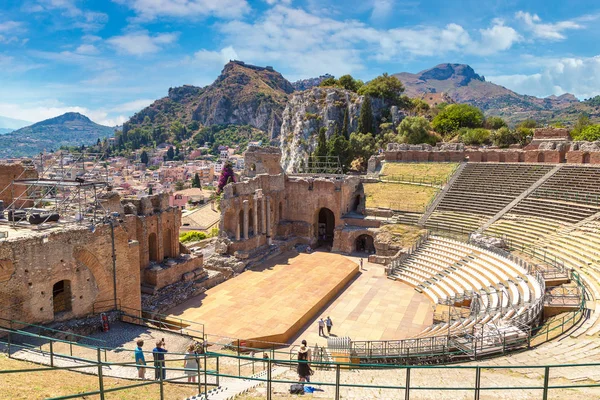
pixel 382 10
pixel 132 106
pixel 103 79
pixel 75 17
pixel 87 49
pixel 579 76
pixel 308 44
pixel 216 58
pixel 10 32
pixel 546 31
pixel 140 43
pixel 151 9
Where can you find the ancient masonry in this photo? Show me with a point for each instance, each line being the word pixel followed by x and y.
pixel 66 271
pixel 270 211
pixel 549 145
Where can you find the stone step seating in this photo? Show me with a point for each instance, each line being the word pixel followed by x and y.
pixel 554 210
pixel 447 270
pixel 406 218
pixel 523 230
pixel 505 179
pixel 455 221
pixel 576 184
pixel 476 203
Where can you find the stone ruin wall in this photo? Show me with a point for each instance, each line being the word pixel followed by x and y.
pixel 10 172
pixel 31 266
pixel 283 206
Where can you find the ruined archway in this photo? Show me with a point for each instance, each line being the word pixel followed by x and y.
pixel 241 222
pixel 364 244
pixel 326 226
pixel 250 223
pixel 356 204
pixel 540 157
pixel 168 243
pixel 152 247
pixel 280 211
pixel 586 158
pixel 61 296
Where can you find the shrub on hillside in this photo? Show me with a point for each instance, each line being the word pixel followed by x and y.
pixel 591 133
pixel 192 236
pixel 475 136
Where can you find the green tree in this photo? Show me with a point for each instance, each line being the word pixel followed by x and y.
pixel 590 133
pixel 415 130
pixel 321 149
pixel 494 123
pixel 504 137
pixel 144 157
pixel 170 153
pixel 179 185
pixel 150 190
pixel 362 146
pixel 385 87
pixel 349 83
pixel 338 146
pixel 528 123
pixel 418 106
pixel 475 136
pixel 346 125
pixel 582 122
pixel 328 82
pixel 196 181
pixel 456 116
pixel 365 117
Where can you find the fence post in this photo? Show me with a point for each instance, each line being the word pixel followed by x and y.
pixel 546 380
pixel 269 379
pixel 477 382
pixel 8 344
pixel 205 377
pixel 217 371
pixel 51 354
pixel 160 372
pixel 199 381
pixel 407 386
pixel 337 381
pixel 100 377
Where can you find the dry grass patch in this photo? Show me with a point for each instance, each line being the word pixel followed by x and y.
pixel 398 196
pixel 438 171
pixel 53 383
pixel 401 235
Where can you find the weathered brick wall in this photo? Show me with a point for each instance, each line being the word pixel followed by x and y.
pixel 77 255
pixel 10 172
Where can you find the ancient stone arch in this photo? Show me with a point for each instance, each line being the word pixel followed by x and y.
pixel 153 247
pixel 540 157
pixel 61 296
pixel 167 243
pixel 325 227
pixel 586 158
pixel 364 243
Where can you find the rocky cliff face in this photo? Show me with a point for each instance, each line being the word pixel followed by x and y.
pixel 243 95
pixel 307 112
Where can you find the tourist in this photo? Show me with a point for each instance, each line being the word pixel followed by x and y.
pixel 190 363
pixel 140 360
pixel 361 264
pixel 304 357
pixel 159 360
pixel 329 324
pixel 321 327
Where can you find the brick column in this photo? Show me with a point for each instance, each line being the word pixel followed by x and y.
pixel 255 215
pixel 263 215
pixel 268 212
pixel 246 217
pixel 237 231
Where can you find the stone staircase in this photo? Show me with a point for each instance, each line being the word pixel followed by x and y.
pixel 441 194
pixel 231 387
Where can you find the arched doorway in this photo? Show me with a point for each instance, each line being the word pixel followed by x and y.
pixel 152 247
pixel 61 296
pixel 586 158
pixel 241 223
pixel 364 244
pixel 250 223
pixel 280 211
pixel 540 157
pixel 167 244
pixel 326 225
pixel 356 203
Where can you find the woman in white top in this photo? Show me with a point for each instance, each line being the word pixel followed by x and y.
pixel 191 363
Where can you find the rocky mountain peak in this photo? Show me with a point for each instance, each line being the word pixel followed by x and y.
pixel 66 117
pixel 461 73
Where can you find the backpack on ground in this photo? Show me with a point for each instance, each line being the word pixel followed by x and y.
pixel 297 388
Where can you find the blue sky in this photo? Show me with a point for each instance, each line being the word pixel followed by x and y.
pixel 110 58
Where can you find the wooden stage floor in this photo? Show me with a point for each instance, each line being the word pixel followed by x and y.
pixel 271 303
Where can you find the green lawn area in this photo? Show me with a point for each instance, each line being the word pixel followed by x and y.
pixel 398 196
pixel 53 383
pixel 402 235
pixel 438 171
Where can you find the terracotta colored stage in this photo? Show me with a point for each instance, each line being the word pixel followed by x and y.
pixel 273 303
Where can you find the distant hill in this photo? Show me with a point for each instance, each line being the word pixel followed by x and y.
pixel 459 83
pixel 305 84
pixel 242 95
pixel 10 124
pixel 70 129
